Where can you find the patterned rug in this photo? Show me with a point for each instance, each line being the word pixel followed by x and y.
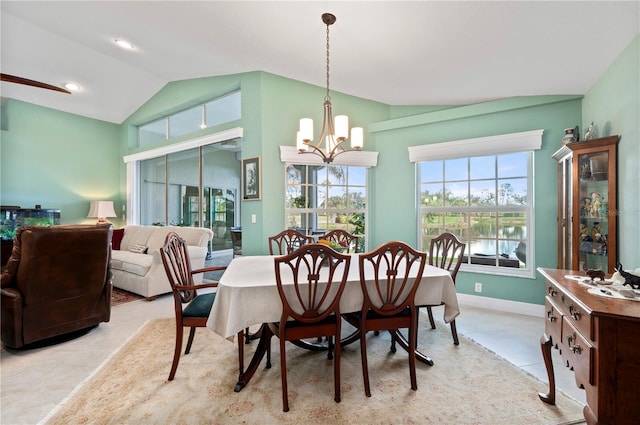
pixel 120 296
pixel 467 385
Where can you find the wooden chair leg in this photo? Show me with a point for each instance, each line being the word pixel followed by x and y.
pixel 413 336
pixel 176 351
pixel 336 367
pixel 283 374
pixel 330 347
pixel 365 367
pixel 431 321
pixel 454 332
pixel 192 333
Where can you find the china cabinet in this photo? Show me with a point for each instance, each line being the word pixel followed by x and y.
pixel 587 204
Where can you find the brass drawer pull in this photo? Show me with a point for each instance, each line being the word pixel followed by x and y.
pixel 574 348
pixel 550 316
pixel 552 291
pixel 576 314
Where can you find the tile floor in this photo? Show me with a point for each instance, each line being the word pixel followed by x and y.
pixel 33 382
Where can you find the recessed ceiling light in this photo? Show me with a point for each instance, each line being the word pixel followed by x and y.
pixel 123 43
pixel 71 86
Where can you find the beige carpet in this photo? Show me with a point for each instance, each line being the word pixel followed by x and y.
pixel 467 385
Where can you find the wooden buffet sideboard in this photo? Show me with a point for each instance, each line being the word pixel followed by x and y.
pixel 599 339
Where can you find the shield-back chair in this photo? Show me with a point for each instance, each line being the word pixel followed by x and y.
pixel 389 298
pixel 446 251
pixel 310 283
pixel 191 309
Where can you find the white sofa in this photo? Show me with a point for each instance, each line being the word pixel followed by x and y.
pixel 143 273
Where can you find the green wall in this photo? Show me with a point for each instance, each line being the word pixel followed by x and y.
pixel 393 183
pixel 284 102
pixel 613 105
pixel 58 160
pixel 271 108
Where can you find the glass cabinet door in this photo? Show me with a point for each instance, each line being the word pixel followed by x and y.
pixel 593 195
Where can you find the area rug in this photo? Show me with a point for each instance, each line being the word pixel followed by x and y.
pixel 120 296
pixel 467 385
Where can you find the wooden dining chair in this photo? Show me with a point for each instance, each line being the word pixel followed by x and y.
pixel 310 283
pixel 287 241
pixel 389 298
pixel 446 251
pixel 191 309
pixel 343 238
pixel 283 243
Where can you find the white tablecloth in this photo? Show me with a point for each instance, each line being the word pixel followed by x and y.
pixel 247 294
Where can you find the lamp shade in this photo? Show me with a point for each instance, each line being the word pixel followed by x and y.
pixel 101 210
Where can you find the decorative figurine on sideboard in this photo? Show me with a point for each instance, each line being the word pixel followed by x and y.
pixel 590 133
pixel 569 136
pixel 595 273
pixel 629 278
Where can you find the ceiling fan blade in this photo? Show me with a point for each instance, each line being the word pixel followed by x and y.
pixel 19 80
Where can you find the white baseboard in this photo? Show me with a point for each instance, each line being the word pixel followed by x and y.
pixel 507 306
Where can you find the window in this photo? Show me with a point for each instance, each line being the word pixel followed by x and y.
pixel 484 201
pixel 481 190
pixel 321 198
pixel 221 110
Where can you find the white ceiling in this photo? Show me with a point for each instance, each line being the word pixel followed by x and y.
pixel 395 52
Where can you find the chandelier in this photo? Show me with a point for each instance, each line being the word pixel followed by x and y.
pixel 333 135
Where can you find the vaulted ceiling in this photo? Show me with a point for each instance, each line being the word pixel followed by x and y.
pixel 395 52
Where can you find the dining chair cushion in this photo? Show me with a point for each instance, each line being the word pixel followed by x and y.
pixel 373 315
pixel 330 320
pixel 200 306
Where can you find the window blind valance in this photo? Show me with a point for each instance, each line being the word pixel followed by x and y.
pixel 490 145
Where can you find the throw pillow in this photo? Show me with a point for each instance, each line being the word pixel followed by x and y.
pixel 117 238
pixel 139 249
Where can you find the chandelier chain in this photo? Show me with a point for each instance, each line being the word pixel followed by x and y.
pixel 327 97
pixel 333 137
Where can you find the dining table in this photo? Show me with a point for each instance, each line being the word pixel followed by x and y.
pixel 247 295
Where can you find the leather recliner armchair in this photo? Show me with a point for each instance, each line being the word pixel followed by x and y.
pixel 57 281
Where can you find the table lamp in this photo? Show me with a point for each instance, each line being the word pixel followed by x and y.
pixel 101 210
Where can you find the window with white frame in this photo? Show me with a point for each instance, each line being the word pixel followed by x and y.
pixel 321 198
pixel 220 110
pixel 486 200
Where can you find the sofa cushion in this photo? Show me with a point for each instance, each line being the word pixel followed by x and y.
pixel 138 264
pixel 194 236
pixel 136 235
pixel 154 236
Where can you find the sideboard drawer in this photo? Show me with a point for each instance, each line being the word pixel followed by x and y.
pixel 572 310
pixel 578 352
pixel 553 322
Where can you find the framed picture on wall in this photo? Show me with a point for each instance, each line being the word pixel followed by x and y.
pixel 251 179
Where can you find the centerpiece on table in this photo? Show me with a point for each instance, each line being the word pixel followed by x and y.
pixel 342 247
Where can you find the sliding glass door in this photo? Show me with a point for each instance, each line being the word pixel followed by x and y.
pixel 196 187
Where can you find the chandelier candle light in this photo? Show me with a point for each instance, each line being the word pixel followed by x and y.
pixel 333 136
